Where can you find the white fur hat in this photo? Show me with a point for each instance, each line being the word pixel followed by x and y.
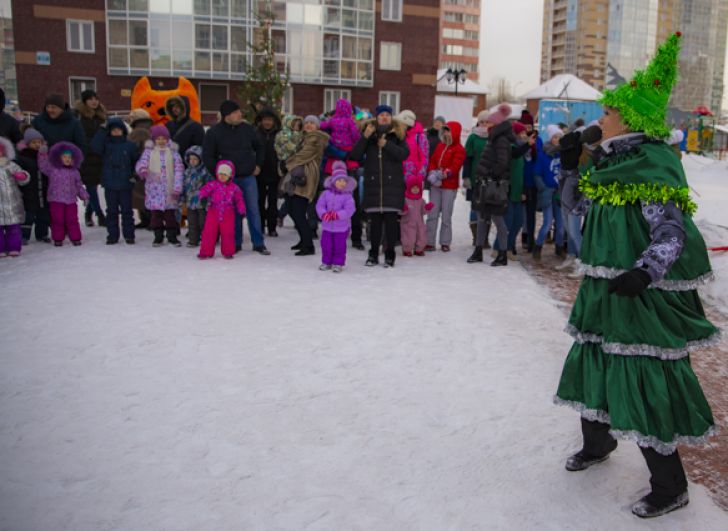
pixel 407 117
pixel 553 130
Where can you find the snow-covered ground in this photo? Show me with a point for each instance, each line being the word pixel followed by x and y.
pixel 143 389
pixel 709 178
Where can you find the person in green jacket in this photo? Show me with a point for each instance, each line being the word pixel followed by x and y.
pixel 476 142
pixel 637 316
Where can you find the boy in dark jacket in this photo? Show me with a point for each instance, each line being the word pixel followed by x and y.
pixel 119 156
pixel 267 126
pixel 35 193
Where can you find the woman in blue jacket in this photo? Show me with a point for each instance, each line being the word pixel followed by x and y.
pixel 547 168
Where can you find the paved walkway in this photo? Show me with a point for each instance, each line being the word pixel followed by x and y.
pixel 707 466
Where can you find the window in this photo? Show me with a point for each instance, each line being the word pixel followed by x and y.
pixel 211 96
pixel 392 10
pixel 331 96
pixel 390 55
pixel 391 98
pixel 287 104
pixel 76 85
pixel 80 36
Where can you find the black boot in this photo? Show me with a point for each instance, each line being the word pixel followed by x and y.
pixel 306 251
pixel 474 231
pixel 537 252
pixel 524 240
pixel 172 237
pixel 561 251
pixel 477 255
pixel 389 255
pixel 501 259
pixel 102 220
pixel 89 220
pixel 598 444
pixel 158 237
pixel 668 482
pixel 373 259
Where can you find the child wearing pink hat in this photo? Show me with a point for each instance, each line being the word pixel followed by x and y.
pixel 162 169
pixel 224 200
pixel 335 207
pixel 413 233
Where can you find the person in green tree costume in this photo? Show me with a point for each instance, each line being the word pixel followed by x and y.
pixel 637 315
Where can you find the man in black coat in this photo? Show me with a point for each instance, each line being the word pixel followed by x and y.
pixel 57 124
pixel 183 130
pixel 9 127
pixel 236 140
pixel 267 125
pixel 384 148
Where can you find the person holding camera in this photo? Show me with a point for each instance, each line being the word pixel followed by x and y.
pixel 301 182
pixel 384 148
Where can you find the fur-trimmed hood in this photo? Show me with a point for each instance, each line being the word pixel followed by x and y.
pixel 399 128
pixel 183 102
pixel 8 148
pixel 85 111
pixel 331 179
pixel 54 155
pixel 225 163
pixel 193 150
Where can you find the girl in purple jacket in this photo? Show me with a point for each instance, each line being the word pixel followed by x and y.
pixel 335 208
pixel 61 165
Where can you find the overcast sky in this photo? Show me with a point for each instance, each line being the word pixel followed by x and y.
pixel 510 44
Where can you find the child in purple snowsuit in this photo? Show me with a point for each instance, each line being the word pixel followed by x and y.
pixel 61 164
pixel 413 233
pixel 12 213
pixel 335 208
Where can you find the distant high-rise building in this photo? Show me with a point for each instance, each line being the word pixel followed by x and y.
pixel 604 41
pixel 460 36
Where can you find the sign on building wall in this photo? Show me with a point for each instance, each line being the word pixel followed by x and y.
pixel 43 58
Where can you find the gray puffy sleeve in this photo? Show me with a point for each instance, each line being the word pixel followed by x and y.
pixel 571 198
pixel 667 235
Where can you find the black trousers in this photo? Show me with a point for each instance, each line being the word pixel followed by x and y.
pixel 356 219
pixel 165 220
pixel 531 201
pixel 41 218
pixel 297 208
pixel 667 477
pixel 119 200
pixel 268 203
pixel 383 223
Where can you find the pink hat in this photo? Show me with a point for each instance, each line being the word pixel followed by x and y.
pixel 500 115
pixel 518 128
pixel 157 131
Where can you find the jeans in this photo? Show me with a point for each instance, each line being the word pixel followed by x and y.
pixel 119 200
pixel 549 209
pixel 514 222
pixel 297 209
pixel 93 205
pixel 573 233
pixel 249 186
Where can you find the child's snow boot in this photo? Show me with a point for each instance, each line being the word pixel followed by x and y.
pixel 158 237
pixel 172 238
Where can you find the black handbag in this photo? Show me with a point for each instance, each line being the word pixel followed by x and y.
pixel 493 192
pixel 298 176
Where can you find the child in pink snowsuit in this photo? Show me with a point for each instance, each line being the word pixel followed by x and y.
pixel 61 165
pixel 344 133
pixel 224 199
pixel 335 207
pixel 412 227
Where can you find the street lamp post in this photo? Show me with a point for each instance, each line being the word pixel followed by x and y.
pixel 457 77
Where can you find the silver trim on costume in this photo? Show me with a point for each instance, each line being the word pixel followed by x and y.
pixel 665 285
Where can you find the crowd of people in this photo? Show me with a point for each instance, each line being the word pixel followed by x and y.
pixel 381 163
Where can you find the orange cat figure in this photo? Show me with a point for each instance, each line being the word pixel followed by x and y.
pixel 145 97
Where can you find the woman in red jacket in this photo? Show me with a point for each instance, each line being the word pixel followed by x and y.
pixel 443 173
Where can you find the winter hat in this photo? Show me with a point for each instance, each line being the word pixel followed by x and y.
pixel 526 117
pixel 313 119
pixel 116 123
pixel 482 116
pixel 139 115
pixel 407 117
pixel 500 115
pixel 228 107
pixel 225 167
pixel 518 128
pixel 410 181
pixel 55 99
pixel 88 94
pixel 31 134
pixel 383 108
pixel 643 101
pixel 553 130
pixel 440 119
pixel 338 170
pixel 157 131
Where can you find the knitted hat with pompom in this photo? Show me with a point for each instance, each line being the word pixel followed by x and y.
pixel 500 115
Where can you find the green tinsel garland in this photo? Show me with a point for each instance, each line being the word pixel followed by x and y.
pixel 619 194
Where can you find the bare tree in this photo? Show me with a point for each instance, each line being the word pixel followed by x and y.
pixel 501 90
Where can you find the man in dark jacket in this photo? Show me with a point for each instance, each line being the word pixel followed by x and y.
pixel 433 133
pixel 119 155
pixel 183 130
pixel 92 114
pixel 235 140
pixel 268 124
pixel 57 124
pixel 384 148
pixel 9 127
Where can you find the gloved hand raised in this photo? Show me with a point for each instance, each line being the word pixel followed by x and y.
pixel 630 284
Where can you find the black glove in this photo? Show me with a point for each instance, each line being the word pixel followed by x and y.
pixel 630 284
pixel 570 150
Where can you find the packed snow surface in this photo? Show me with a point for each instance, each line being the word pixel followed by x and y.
pixel 143 389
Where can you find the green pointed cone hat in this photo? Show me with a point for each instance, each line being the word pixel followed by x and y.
pixel 643 101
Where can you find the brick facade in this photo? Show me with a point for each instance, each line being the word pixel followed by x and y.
pixel 40 25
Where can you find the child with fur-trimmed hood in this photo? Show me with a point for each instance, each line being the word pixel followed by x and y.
pixel 61 164
pixel 162 169
pixel 12 213
pixel 225 199
pixel 335 207
pixel 196 176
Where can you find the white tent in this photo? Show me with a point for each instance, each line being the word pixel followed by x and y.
pixel 564 87
pixel 469 87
